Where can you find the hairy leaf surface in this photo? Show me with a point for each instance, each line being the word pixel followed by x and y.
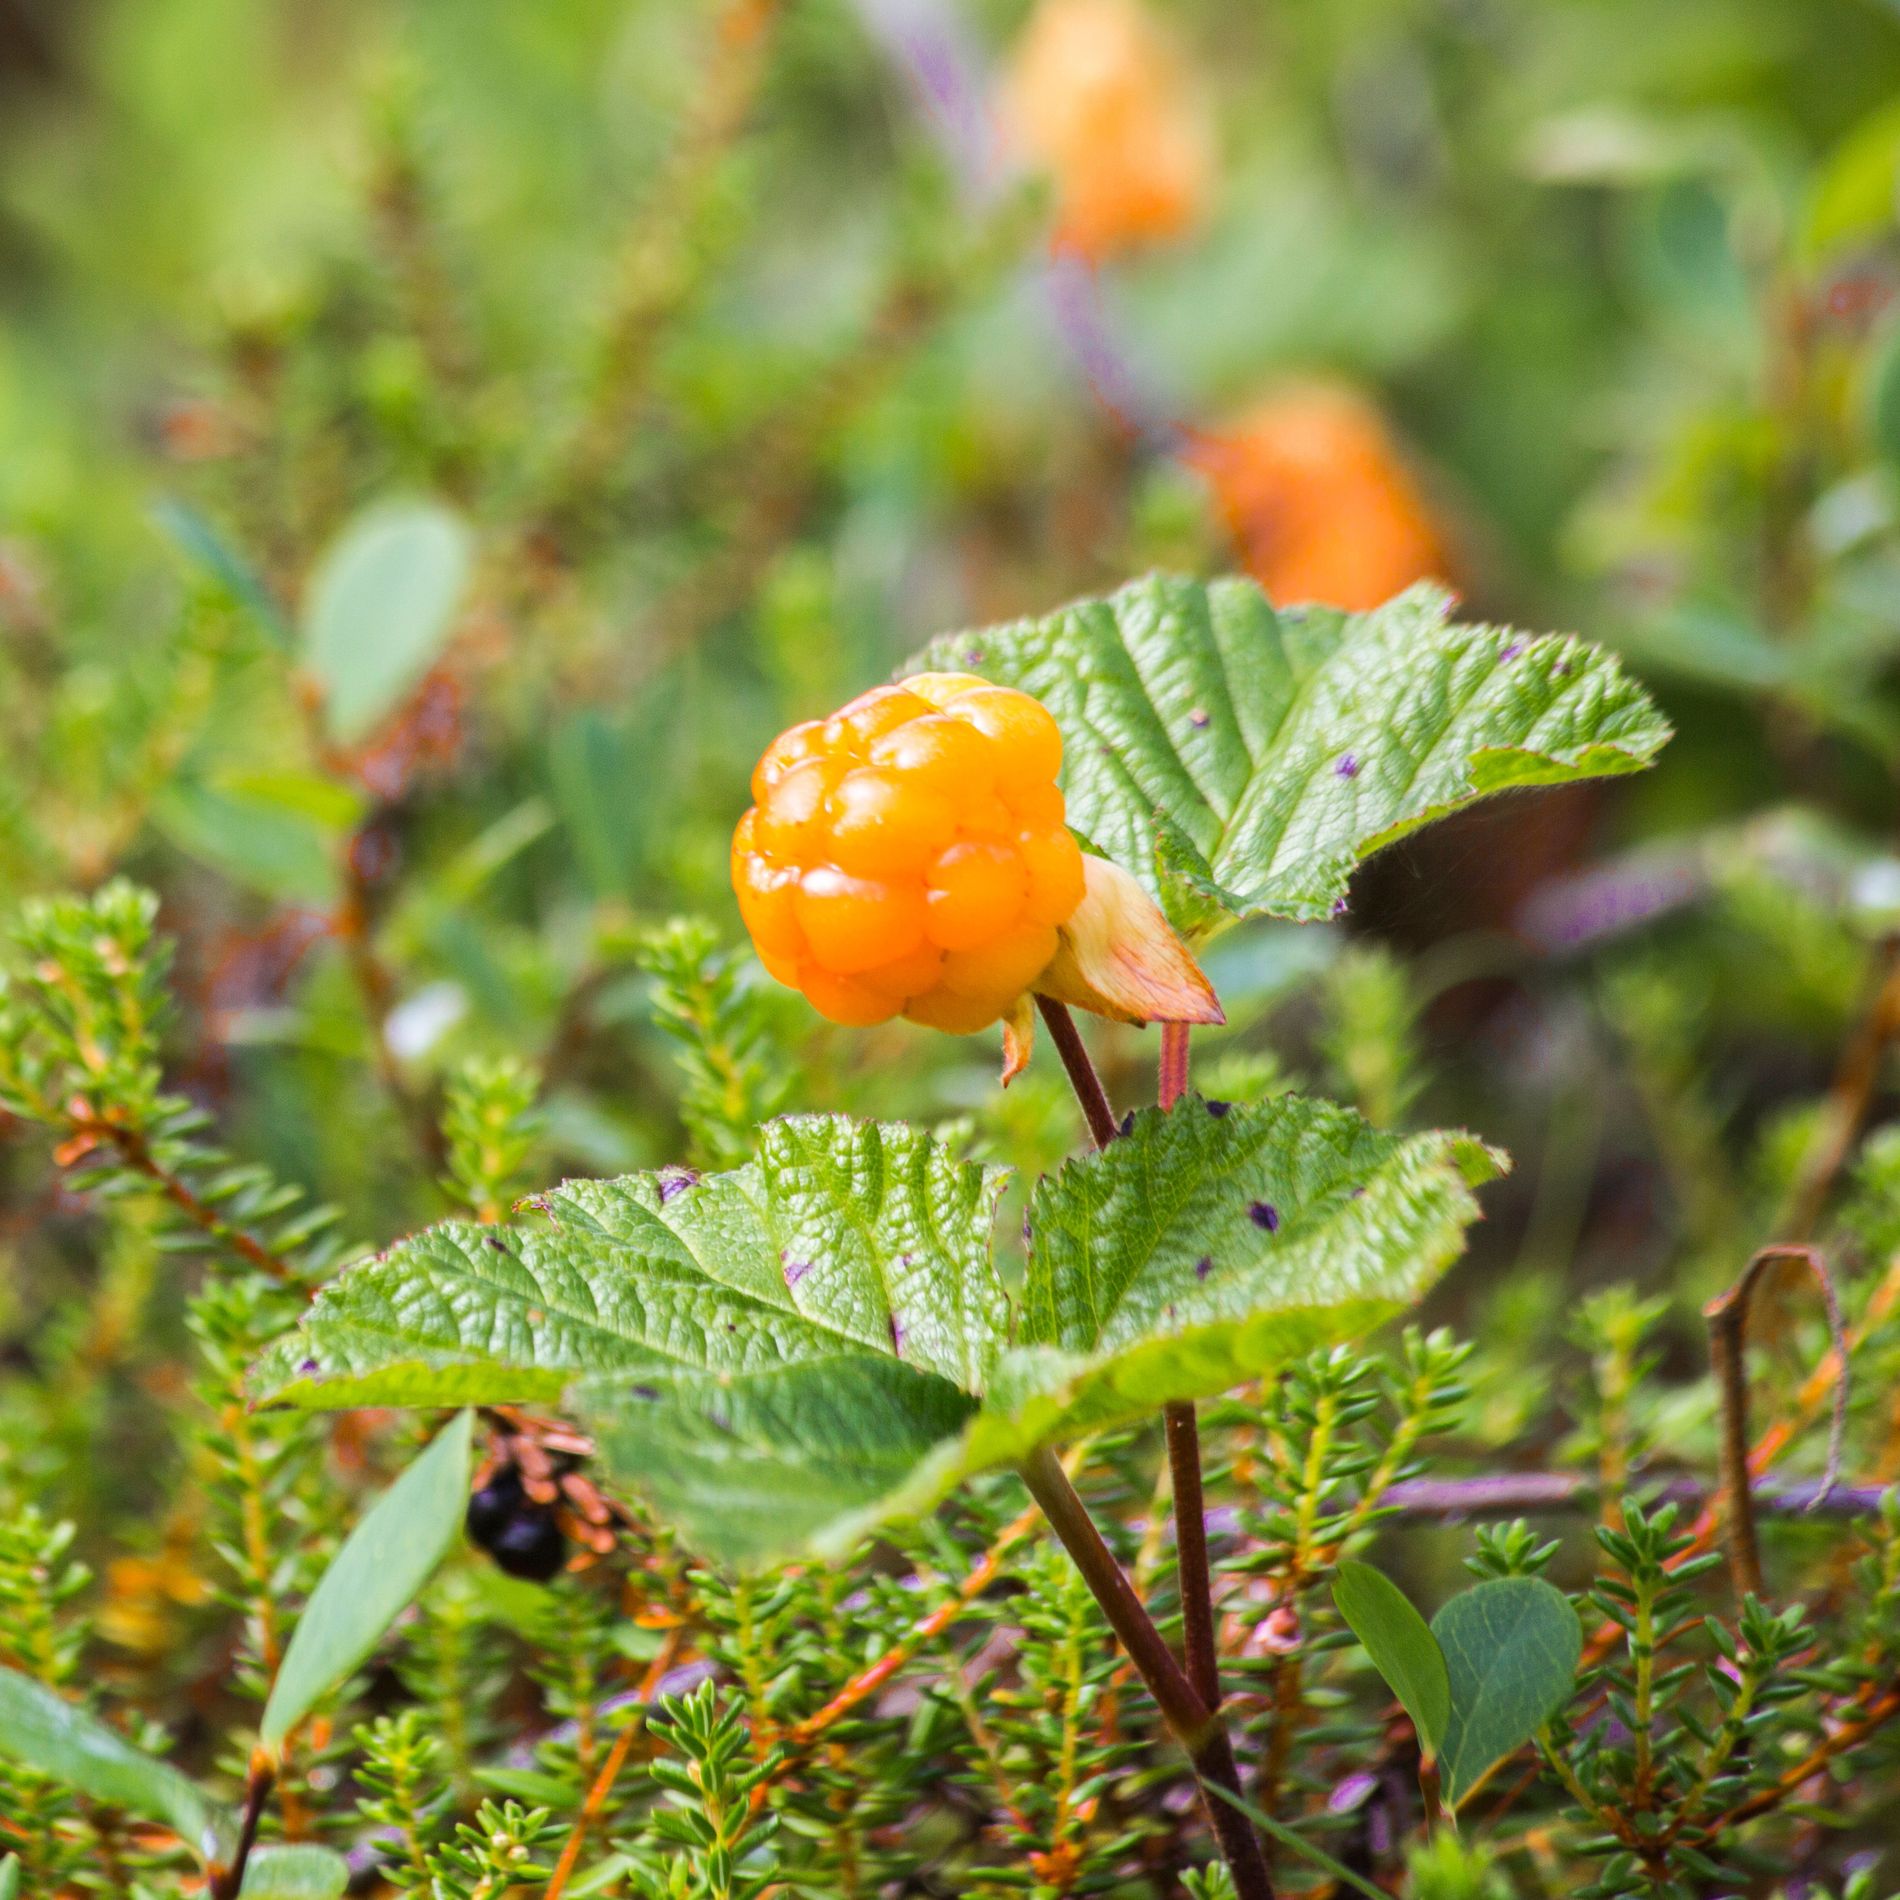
pixel 761 1350
pixel 1214 1240
pixel 1243 760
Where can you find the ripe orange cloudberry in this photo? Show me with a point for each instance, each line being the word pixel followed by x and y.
pixel 909 856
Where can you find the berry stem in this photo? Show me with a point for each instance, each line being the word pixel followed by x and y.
pixel 1096 1108
pixel 1184 1458
pixel 1182 1429
pixel 1197 1727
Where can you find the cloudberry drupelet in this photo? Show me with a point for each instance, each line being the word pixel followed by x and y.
pixel 908 855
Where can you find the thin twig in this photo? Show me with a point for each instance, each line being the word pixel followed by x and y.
pixel 602 1790
pixel 1533 1493
pixel 136 1153
pixel 926 1630
pixel 1727 1317
pixel 1850 1097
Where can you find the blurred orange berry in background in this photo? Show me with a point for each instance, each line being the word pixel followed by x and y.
pixel 908 855
pixel 1099 96
pixel 1316 493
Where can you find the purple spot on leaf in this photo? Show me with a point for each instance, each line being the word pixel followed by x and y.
pixel 1339 907
pixel 676 1181
pixel 1203 1266
pixel 973 656
pixel 649 1393
pixel 1127 1126
pixel 1265 1214
pixel 1218 1109
pixel 494 1241
pixel 897 1335
pixel 795 1270
pixel 1198 718
pixel 306 1365
pixel 1511 652
pixel 1348 767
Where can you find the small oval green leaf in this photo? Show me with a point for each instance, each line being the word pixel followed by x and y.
pixel 1401 1645
pixel 1511 1649
pixel 41 1730
pixel 380 607
pixel 10 1878
pixel 294 1873
pixel 384 1562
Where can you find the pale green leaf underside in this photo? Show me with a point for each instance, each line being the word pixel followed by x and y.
pixel 1211 1242
pixel 295 1873
pixel 382 1566
pixel 1511 1648
pixel 42 1731
pixel 762 1350
pixel 1401 1645
pixel 1243 761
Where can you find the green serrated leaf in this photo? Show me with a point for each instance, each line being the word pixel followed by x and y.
pixel 1511 1649
pixel 44 1732
pixel 1243 761
pixel 384 1562
pixel 1401 1645
pixel 764 1353
pixel 380 607
pixel 1213 1241
pixel 294 1873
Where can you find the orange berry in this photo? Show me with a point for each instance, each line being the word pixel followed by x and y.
pixel 844 999
pixel 908 854
pixel 855 923
pixel 1028 740
pixel 939 689
pixel 790 824
pixel 909 976
pixel 792 745
pixel 881 824
pixel 959 1015
pixel 766 902
pixel 1039 807
pixel 939 754
pixel 987 818
pixel 1317 495
pixel 1098 94
pixel 1002 968
pixel 1054 862
pixel 851 729
pixel 977 890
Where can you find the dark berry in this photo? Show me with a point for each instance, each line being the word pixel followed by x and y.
pixel 530 1546
pixel 495 1506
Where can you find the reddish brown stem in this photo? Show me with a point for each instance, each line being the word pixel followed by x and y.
pixel 228 1882
pixel 1727 1317
pixel 1184 1457
pixel 1096 1109
pixel 1196 1725
pixel 137 1155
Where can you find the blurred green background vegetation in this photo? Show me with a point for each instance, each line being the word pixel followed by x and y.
pixel 728 347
